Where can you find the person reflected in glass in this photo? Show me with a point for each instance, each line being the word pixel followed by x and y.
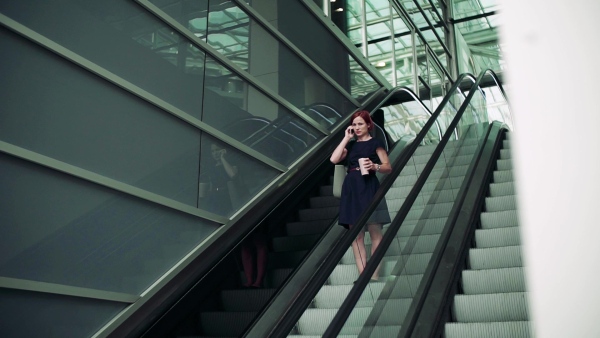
pixel 254 258
pixel 358 189
pixel 216 186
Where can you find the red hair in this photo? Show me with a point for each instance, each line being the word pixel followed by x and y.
pixel 365 116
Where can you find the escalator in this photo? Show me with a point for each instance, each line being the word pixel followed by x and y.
pixel 428 194
pixel 302 232
pixel 222 304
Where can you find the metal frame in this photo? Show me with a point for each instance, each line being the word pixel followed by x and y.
pixel 352 51
pixel 265 24
pixel 66 290
pixel 220 58
pixel 133 89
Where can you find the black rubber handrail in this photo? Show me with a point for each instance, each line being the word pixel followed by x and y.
pixel 291 301
pixel 162 302
pixel 435 288
pixel 359 286
pixel 430 316
pixel 352 298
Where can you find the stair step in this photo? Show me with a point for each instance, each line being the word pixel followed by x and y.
pixel 324 201
pixel 513 329
pixel 306 228
pixel 495 258
pixel 501 176
pixel 286 259
pixel 413 264
pixel 316 321
pixel 427 226
pixel 225 324
pixel 499 219
pixel 493 281
pixel 505 154
pixel 294 243
pixel 502 189
pixel 505 164
pixel 245 299
pixel 490 238
pixel 501 203
pixel 316 214
pixel 500 307
pixel 276 277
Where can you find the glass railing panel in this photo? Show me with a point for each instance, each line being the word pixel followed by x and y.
pixel 64 230
pixel 456 99
pixel 229 178
pixel 404 120
pixel 405 261
pixel 124 39
pixel 320 45
pixel 245 42
pixel 30 313
pixel 283 137
pixel 59 110
pixel 316 318
pixel 361 82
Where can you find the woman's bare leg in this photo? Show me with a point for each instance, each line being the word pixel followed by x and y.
pixel 376 236
pixel 360 252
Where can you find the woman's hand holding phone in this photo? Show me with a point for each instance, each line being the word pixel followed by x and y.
pixel 349 132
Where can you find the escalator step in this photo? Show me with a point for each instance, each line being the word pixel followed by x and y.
pixel 503 176
pixel 513 329
pixel 490 238
pixel 225 324
pixel 294 243
pixel 499 219
pixel 245 299
pixel 316 214
pixel 305 228
pixel 493 281
pixel 505 154
pixel 502 189
pixel 324 201
pixel 499 307
pixel 495 258
pixel 286 259
pixel 501 203
pixel 504 164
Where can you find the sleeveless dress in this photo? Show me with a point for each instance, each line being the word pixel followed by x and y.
pixel 358 190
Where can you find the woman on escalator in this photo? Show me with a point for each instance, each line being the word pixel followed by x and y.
pixel 360 149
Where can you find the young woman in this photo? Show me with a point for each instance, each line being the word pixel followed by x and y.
pixel 358 190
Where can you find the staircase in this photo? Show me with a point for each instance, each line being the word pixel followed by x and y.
pixel 236 307
pixel 407 258
pixel 493 302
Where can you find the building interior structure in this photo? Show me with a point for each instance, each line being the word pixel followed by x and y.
pixel 158 155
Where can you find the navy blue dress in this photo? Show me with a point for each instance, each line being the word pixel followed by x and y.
pixel 358 190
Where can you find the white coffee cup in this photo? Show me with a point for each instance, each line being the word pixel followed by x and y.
pixel 361 164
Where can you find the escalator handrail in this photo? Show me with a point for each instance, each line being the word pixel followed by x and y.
pixel 355 293
pixel 413 318
pixel 280 325
pixel 427 316
pixel 145 313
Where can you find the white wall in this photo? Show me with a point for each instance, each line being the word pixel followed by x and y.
pixel 553 54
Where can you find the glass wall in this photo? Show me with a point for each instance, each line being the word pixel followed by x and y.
pixel 130 131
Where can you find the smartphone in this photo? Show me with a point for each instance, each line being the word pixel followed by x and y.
pixel 351 131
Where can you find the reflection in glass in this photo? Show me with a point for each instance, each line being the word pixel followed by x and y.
pixel 405 120
pixel 383 308
pixel 28 312
pixel 77 233
pixel 59 110
pixel 228 178
pixel 123 38
pixel 246 114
